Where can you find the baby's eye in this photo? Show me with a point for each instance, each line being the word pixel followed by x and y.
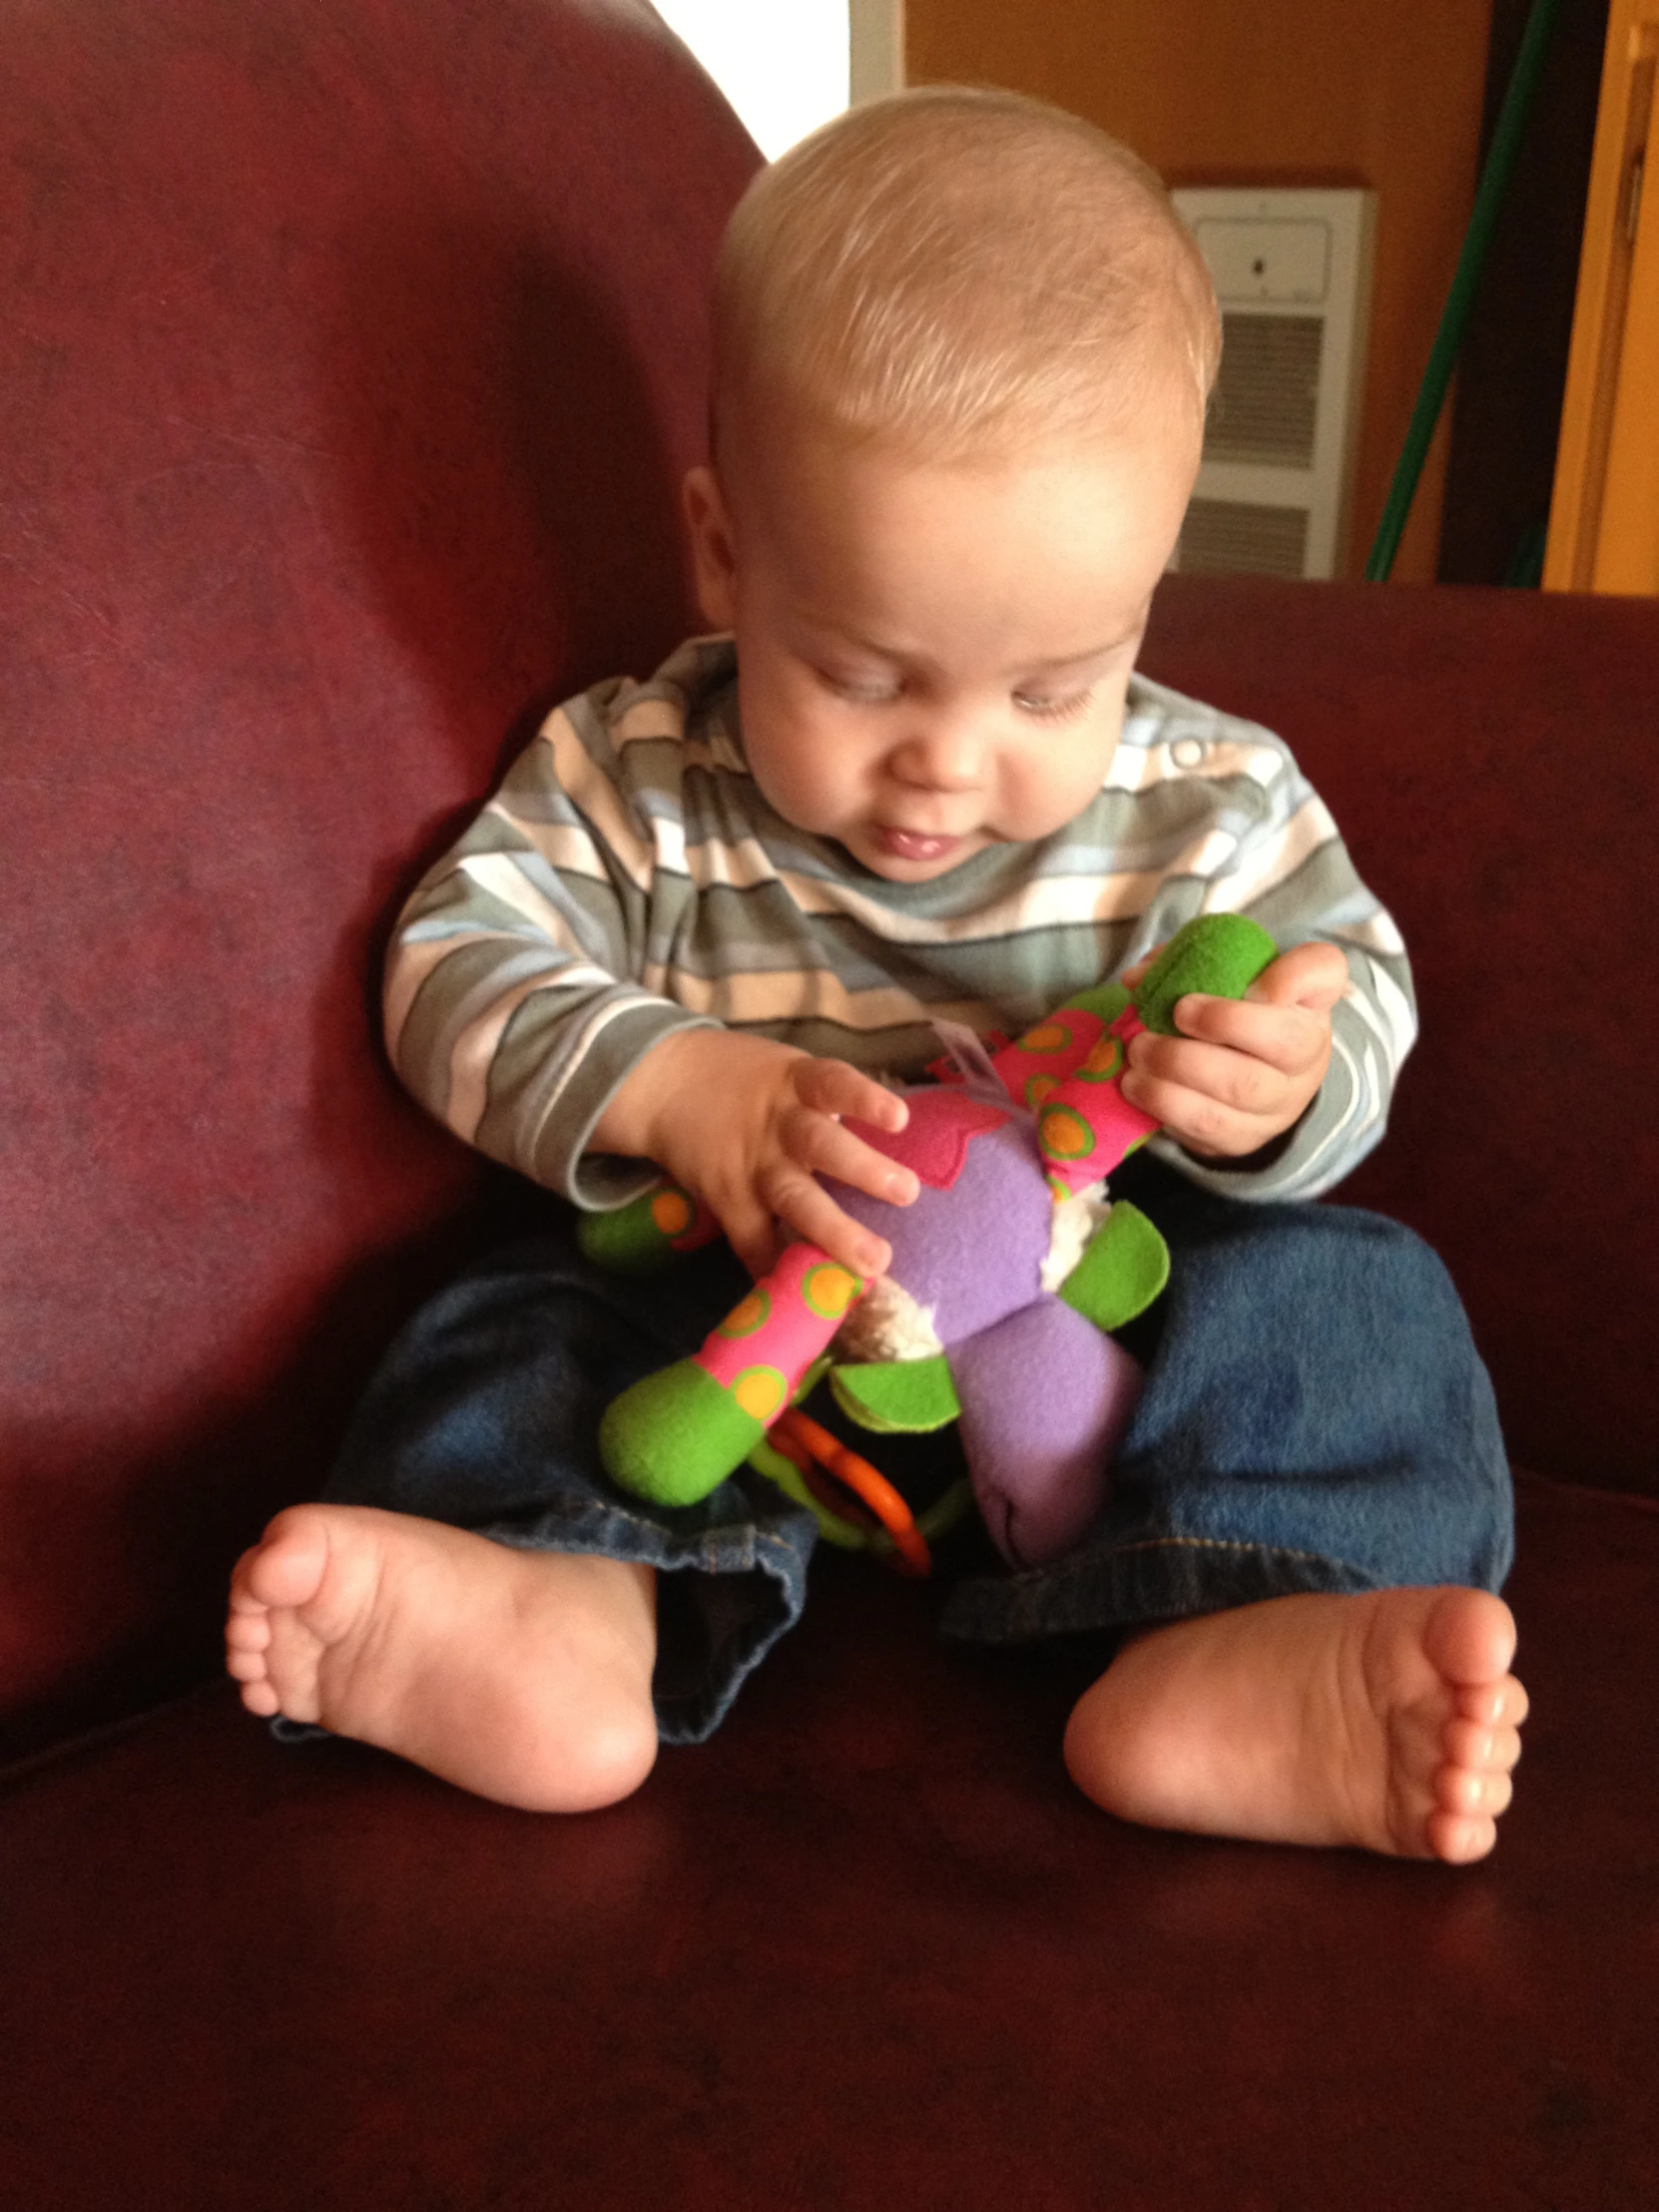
pixel 860 691
pixel 1049 706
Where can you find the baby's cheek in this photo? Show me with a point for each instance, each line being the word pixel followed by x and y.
pixel 1069 778
pixel 1035 804
pixel 784 774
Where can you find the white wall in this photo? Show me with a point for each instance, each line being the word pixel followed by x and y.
pixel 782 64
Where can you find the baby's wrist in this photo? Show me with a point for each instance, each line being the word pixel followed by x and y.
pixel 1265 1155
pixel 647 1114
pixel 636 1112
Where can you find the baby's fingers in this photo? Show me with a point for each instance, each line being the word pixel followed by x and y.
pixel 833 1087
pixel 826 1147
pixel 750 1232
pixel 807 1207
pixel 1166 1071
pixel 1131 976
pixel 1311 976
pixel 1288 1038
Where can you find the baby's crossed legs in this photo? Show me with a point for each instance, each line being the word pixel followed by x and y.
pixel 1385 1719
pixel 1352 1712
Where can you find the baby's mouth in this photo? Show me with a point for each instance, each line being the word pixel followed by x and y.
pixel 913 844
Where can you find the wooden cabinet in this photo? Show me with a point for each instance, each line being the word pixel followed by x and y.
pixel 1604 516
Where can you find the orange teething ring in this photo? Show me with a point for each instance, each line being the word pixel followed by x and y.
pixel 806 1441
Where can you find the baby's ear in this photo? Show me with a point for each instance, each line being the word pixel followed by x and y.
pixel 714 557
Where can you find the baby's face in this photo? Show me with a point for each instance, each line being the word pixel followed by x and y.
pixel 932 657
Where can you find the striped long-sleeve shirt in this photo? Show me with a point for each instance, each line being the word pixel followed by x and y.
pixel 629 879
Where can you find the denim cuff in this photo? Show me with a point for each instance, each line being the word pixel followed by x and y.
pixel 1160 1578
pixel 732 1579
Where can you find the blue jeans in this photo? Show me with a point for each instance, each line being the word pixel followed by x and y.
pixel 1316 1418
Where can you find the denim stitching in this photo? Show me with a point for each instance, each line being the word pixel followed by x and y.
pixel 1078 1567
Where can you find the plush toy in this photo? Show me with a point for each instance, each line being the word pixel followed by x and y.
pixel 1008 1272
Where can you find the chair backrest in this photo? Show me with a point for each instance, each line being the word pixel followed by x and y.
pixel 352 357
pixel 1489 757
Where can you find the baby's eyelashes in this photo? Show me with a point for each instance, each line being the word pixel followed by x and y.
pixel 861 691
pixel 881 690
pixel 1062 707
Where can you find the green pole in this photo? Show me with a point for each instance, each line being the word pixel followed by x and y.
pixel 1478 239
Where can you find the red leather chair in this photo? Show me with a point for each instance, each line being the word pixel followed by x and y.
pixel 351 357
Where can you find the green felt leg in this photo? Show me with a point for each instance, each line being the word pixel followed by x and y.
pixel 676 1436
pixel 1124 1267
pixel 1106 1001
pixel 1218 954
pixel 633 1239
pixel 626 1241
pixel 897 1397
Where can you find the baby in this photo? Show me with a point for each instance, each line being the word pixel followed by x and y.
pixel 963 352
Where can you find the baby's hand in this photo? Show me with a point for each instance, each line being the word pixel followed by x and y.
pixel 748 1126
pixel 1242 1070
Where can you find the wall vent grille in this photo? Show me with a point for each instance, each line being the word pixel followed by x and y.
pixel 1222 537
pixel 1291 272
pixel 1265 406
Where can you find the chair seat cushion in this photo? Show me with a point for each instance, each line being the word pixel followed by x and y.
pixel 866 1948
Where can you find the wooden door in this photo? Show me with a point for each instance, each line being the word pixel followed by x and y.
pixel 1604 516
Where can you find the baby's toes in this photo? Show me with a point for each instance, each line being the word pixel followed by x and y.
pixel 250 1631
pixel 1473 1792
pixel 1481 1749
pixel 1501 1704
pixel 1461 1838
pixel 247 1647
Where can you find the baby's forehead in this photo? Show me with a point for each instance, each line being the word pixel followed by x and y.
pixel 773 451
pixel 1035 561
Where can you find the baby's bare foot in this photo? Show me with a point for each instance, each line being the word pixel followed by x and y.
pixel 523 1676
pixel 1386 1720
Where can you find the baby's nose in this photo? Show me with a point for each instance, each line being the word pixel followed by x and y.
pixel 945 755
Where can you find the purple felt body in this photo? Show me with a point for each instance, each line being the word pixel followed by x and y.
pixel 1045 1396
pixel 1045 1399
pixel 974 1252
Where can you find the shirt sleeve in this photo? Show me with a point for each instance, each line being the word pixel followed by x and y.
pixel 1277 856
pixel 517 994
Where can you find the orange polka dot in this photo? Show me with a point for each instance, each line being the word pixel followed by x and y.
pixel 1064 1135
pixel 830 1289
pixel 672 1210
pixel 1104 1060
pixel 760 1392
pixel 1048 1036
pixel 745 1318
pixel 1039 1088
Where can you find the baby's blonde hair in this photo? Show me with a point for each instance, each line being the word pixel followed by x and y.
pixel 954 270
